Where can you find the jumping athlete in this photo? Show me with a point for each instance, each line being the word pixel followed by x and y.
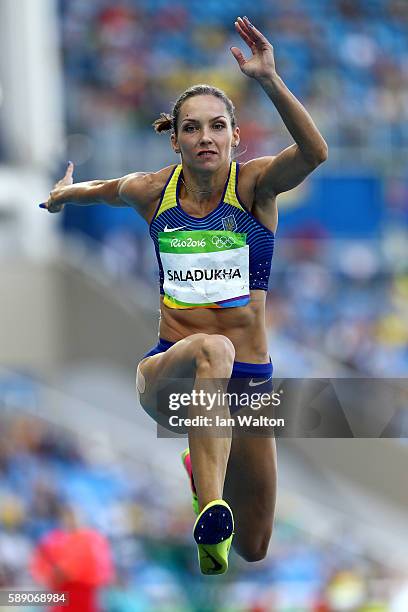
pixel 213 224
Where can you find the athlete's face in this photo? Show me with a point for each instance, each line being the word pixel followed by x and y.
pixel 205 134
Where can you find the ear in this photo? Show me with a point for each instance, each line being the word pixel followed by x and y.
pixel 174 144
pixel 235 137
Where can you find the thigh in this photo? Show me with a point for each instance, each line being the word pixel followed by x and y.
pixel 180 361
pixel 250 489
pixel 174 372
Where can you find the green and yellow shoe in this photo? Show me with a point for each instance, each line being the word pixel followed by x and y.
pixel 213 533
pixel 185 458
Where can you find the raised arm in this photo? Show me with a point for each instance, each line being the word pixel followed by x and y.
pixel 138 190
pixel 290 167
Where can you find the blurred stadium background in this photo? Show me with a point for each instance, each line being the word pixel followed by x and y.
pixel 84 80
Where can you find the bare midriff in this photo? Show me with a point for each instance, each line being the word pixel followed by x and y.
pixel 244 326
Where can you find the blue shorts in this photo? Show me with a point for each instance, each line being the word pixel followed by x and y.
pixel 246 378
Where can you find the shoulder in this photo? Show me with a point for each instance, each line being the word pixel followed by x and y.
pixel 143 189
pixel 248 177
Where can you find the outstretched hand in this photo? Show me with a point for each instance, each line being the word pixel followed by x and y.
pixel 53 204
pixel 262 63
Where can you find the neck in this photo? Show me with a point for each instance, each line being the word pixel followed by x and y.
pixel 203 188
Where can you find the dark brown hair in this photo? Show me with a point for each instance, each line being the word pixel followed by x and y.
pixel 169 122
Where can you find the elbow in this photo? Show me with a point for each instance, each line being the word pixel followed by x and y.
pixel 322 154
pixel 317 156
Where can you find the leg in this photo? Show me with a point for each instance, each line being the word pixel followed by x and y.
pixel 199 357
pixel 250 488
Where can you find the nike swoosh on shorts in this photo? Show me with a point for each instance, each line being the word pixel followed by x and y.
pixel 261 382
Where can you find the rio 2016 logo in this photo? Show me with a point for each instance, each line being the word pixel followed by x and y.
pixel 188 242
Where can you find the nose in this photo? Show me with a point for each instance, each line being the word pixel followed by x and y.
pixel 205 135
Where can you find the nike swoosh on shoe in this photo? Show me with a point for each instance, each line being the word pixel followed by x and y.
pixel 217 565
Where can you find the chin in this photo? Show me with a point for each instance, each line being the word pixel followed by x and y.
pixel 215 162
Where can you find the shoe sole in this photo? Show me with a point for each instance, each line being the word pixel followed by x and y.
pixel 213 532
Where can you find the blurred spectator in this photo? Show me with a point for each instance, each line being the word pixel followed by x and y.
pixel 73 559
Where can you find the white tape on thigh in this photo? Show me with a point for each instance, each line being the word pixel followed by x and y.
pixel 140 381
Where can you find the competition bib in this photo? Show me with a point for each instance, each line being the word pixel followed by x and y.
pixel 204 269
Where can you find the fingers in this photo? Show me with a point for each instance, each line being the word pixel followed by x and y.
pixel 52 208
pixel 250 32
pixel 51 205
pixel 69 170
pixel 256 34
pixel 67 179
pixel 46 204
pixel 55 208
pixel 239 56
pixel 243 32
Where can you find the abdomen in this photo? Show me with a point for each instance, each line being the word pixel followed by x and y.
pixel 244 326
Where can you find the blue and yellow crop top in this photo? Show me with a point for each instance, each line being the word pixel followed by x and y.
pixel 213 261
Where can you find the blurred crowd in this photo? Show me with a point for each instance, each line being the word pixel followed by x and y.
pixel 346 300
pixel 46 475
pixel 125 62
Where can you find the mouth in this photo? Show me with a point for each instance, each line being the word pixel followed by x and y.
pixel 207 154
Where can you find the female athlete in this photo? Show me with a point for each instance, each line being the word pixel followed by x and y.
pixel 213 225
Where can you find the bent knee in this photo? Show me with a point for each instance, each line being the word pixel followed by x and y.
pixel 213 351
pixel 216 348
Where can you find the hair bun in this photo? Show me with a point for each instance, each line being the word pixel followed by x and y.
pixel 164 123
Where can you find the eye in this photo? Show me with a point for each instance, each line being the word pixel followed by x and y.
pixel 189 128
pixel 219 126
